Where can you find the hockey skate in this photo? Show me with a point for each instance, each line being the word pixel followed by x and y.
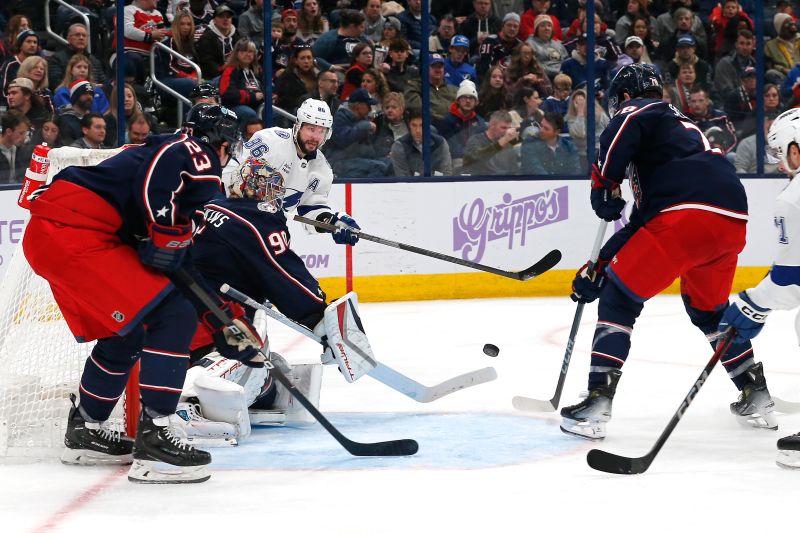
pixel 588 418
pixel 93 443
pixel 193 428
pixel 755 407
pixel 159 456
pixel 789 451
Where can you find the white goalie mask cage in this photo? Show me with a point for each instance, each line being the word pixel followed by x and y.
pixel 255 179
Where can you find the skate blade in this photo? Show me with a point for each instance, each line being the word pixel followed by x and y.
pixel 210 442
pixel 93 458
pixel 789 459
pixel 155 472
pixel 758 421
pixel 585 430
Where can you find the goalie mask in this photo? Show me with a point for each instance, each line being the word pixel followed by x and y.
pixel 256 180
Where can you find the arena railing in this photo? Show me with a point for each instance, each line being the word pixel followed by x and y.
pixel 166 88
pixel 77 11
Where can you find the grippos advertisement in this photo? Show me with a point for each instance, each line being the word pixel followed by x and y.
pixel 506 224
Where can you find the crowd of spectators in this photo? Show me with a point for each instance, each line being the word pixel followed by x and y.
pixel 508 78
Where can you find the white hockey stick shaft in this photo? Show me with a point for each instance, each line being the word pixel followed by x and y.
pixel 383 373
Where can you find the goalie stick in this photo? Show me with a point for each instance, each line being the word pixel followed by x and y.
pixel 543 265
pixel 384 374
pixel 386 448
pixel 531 404
pixel 617 464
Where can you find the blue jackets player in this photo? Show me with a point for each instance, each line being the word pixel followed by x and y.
pixel 688 222
pixel 106 238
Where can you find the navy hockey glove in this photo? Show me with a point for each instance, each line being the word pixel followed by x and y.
pixel 238 341
pixel 605 197
pixel 589 282
pixel 166 247
pixel 345 225
pixel 744 316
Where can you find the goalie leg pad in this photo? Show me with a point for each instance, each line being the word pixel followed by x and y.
pixel 224 401
pixel 192 427
pixel 347 343
pixel 287 411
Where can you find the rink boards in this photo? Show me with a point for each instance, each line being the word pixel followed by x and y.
pixel 505 224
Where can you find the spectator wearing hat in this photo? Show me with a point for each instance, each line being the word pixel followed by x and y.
pixel 93 132
pixel 289 38
pixel 81 96
pixel 496 48
pixel 411 20
pixel 22 98
pixel 350 151
pixel 79 67
pixel 143 25
pixel 442 94
pixel 679 16
pixel 634 51
pixel 575 67
pixel 406 154
pixel 8 43
pixel 374 20
pixel 783 52
pixel 27 45
pixel 14 156
pixel 391 31
pixel 706 117
pixel 480 24
pixel 77 39
pixel 398 71
pixel 439 42
pixel 538 7
pixel 685 53
pixel 456 66
pixel 251 22
pixel 728 70
pixel 215 46
pixel 550 53
pixel 461 121
pixel 550 153
pixel 332 49
pixel 724 19
pixel 740 105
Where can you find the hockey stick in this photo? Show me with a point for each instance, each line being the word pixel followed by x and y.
pixel 617 464
pixel 543 265
pixel 387 448
pixel 531 404
pixel 786 407
pixel 384 374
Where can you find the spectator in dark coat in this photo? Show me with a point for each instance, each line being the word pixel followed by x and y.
pixel 14 157
pixel 334 46
pixel 411 19
pixel 216 44
pixel 407 150
pixel 550 153
pixel 300 78
pixel 462 122
pixel 77 39
pixel 350 149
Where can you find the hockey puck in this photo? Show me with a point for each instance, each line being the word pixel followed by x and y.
pixel 491 350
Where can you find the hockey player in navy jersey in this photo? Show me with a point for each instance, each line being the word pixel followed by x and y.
pixel 688 222
pixel 246 244
pixel 107 238
pixel 781 288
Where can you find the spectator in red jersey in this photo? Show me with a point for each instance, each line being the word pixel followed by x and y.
pixel 144 25
pixel 724 14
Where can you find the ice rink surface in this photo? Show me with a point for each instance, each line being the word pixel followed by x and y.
pixel 482 466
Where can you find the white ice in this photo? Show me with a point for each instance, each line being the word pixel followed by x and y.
pixel 482 467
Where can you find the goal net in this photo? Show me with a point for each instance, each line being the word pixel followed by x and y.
pixel 40 361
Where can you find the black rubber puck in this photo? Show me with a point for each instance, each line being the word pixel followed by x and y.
pixel 491 350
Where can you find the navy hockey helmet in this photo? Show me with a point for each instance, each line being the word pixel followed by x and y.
pixel 635 80
pixel 213 124
pixel 204 90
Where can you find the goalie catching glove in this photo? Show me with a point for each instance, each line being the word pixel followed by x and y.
pixel 345 341
pixel 238 341
pixel 166 247
pixel 345 225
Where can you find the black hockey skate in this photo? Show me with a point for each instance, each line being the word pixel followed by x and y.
pixel 588 418
pixel 789 451
pixel 755 407
pixel 159 456
pixel 93 443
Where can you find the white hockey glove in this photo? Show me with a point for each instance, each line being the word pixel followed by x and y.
pixel 347 343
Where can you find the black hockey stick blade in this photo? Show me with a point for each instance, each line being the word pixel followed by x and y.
pixel 618 464
pixel 544 264
pixel 363 449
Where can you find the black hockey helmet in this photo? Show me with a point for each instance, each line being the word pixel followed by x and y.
pixel 634 79
pixel 204 90
pixel 213 124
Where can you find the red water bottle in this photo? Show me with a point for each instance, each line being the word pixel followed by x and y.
pixel 36 174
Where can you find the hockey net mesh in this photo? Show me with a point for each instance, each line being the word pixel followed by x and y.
pixel 40 361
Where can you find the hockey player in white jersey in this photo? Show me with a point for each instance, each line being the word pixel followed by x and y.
pixel 246 245
pixel 781 288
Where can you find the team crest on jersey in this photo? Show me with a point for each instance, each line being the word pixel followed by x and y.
pixel 282 134
pixel 118 316
pixel 313 185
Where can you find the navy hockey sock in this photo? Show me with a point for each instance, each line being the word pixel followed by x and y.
pixel 616 316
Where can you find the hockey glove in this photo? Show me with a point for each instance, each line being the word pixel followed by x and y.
pixel 166 247
pixel 345 225
pixel 589 282
pixel 238 341
pixel 605 197
pixel 744 316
